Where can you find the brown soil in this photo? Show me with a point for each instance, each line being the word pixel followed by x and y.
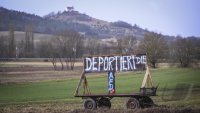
pixel 10 75
pixel 32 68
pixel 68 108
pixel 149 110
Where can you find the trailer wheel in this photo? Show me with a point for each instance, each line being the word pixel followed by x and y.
pixel 104 103
pixel 90 104
pixel 146 102
pixel 133 103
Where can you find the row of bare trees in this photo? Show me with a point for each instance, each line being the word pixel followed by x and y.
pixel 8 44
pixel 183 50
pixel 66 46
pixel 71 45
pixel 176 49
pixel 12 48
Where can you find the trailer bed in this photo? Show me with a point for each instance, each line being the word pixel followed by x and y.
pixel 113 95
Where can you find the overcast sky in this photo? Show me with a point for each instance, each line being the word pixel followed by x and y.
pixel 169 17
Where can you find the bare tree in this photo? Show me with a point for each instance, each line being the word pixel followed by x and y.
pixel 21 48
pixel 69 45
pixel 3 49
pixel 54 52
pixel 4 46
pixel 104 49
pixel 61 44
pixel 196 47
pixel 119 49
pixel 12 45
pixel 183 51
pixel 126 45
pixel 93 46
pixel 154 45
pixel 29 41
pixel 48 49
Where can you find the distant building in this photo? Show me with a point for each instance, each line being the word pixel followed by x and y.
pixel 82 33
pixel 70 9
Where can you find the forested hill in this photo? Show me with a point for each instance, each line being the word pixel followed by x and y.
pixel 40 25
pixel 54 23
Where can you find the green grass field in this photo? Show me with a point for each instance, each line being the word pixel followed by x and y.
pixel 127 82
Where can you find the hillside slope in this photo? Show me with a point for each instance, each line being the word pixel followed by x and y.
pixel 67 20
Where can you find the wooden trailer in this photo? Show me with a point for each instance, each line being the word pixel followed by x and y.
pixel 113 64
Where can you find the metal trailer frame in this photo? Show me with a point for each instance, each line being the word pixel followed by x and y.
pixel 136 100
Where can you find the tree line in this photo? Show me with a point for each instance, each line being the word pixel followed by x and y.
pixel 66 46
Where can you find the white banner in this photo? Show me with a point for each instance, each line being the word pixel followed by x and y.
pixel 116 63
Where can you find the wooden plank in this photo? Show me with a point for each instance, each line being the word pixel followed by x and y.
pixel 147 81
pixel 114 95
pixel 79 84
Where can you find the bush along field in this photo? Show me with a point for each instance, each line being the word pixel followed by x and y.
pixel 177 87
